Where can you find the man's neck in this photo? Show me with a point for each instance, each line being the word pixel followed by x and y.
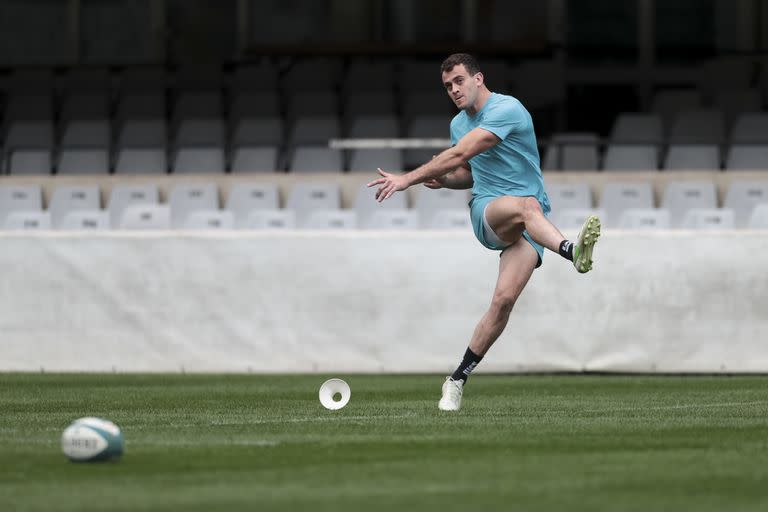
pixel 482 99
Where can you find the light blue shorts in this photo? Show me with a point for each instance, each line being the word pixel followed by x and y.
pixel 487 237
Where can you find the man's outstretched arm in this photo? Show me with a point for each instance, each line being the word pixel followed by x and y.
pixel 473 143
pixel 459 179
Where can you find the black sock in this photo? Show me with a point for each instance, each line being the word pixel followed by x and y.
pixel 467 365
pixel 566 249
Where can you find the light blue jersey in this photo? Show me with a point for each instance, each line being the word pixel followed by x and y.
pixel 511 167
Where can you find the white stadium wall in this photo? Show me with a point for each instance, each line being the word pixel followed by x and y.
pixel 373 302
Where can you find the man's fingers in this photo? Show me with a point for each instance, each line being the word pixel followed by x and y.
pixel 382 172
pixel 377 182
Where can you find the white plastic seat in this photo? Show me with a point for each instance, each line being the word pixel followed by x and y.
pixel 200 132
pixel 448 219
pixel 366 205
pixel 393 219
pixel 618 197
pixel 759 217
pixel 305 198
pixel 130 194
pixel 743 197
pixel 428 202
pixel 316 159
pixel 747 157
pixel 186 198
pixel 27 221
pixel 643 219
pixel 697 157
pixel 209 219
pixel 569 195
pixel 86 134
pixel 635 157
pixel 146 217
pixel 85 220
pixel 571 219
pixel 708 219
pixel 271 219
pixel 20 198
pixel 681 196
pixel 70 198
pixel 254 159
pixel 331 219
pixel 143 133
pixel 245 198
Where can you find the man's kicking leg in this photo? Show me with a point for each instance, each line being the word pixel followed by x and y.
pixel 515 268
pixel 506 214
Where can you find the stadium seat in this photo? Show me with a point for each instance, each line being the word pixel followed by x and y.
pixel 635 157
pixel 448 219
pixel 30 162
pixel 369 103
pixel 682 196
pixel 261 77
pixel 143 79
pixel 305 198
pixel 85 148
pixel 374 127
pixel 633 128
pixel 27 221
pixel 423 74
pixel 265 131
pixel 747 157
pixel 29 107
pixel 426 127
pixel 316 159
pixel 209 219
pixel 142 133
pixel 199 147
pixel 146 217
pixel 147 105
pixel 245 198
pixel 20 198
pixel 314 130
pixel 141 161
pixel 28 147
pixel 708 219
pixel 759 217
pixel 743 197
pixel 313 74
pixel 434 103
pixel 428 202
pixel 668 102
pixel 254 159
pixel 271 219
pixel 697 157
pixel 199 161
pixel 71 198
pixel 572 152
pixel 367 207
pixel 313 104
pixel 331 219
pixel 186 198
pixel 91 106
pixel 570 219
pixel 734 102
pixel 198 105
pixel 83 161
pixel 247 105
pixel 85 220
pixel 369 75
pixel 569 195
pixel 368 160
pixel 130 194
pixel 750 128
pixel 399 219
pixel 618 197
pixel 644 219
pixel 698 127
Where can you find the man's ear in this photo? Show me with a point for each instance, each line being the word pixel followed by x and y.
pixel 479 78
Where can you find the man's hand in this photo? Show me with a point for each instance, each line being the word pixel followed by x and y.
pixel 435 183
pixel 390 183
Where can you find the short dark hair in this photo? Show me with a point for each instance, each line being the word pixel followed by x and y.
pixel 469 62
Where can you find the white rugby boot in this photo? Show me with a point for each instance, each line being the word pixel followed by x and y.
pixel 452 390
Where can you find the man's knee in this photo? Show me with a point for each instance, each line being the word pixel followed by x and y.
pixel 531 208
pixel 503 302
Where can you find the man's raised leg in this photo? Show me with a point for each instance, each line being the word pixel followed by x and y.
pixel 516 265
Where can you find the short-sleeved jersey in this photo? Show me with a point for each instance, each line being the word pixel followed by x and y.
pixel 511 167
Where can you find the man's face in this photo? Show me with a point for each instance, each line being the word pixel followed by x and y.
pixel 461 86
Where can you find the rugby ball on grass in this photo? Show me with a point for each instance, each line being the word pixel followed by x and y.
pixel 92 439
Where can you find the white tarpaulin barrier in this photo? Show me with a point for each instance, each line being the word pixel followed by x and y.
pixel 374 302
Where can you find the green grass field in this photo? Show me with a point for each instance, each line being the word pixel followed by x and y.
pixel 213 442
